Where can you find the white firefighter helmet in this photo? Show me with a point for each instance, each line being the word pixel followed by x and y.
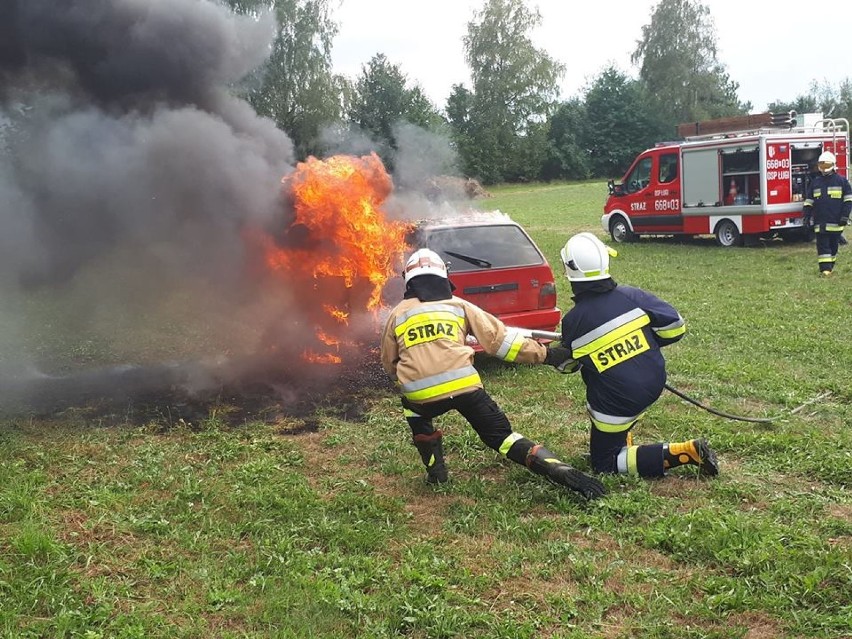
pixel 586 258
pixel 424 262
pixel 826 162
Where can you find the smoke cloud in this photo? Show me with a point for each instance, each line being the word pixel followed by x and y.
pixel 128 172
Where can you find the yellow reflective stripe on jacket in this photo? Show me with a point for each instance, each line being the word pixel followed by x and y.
pixel 509 442
pixel 674 329
pixel 511 345
pixel 427 316
pixel 429 308
pixel 833 228
pixel 612 330
pixel 835 192
pixel 441 384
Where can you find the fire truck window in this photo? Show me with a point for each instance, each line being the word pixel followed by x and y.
pixel 668 167
pixel 640 176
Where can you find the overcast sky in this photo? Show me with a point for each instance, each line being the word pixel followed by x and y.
pixel 771 48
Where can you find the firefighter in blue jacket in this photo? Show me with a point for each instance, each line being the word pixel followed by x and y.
pixel 828 202
pixel 615 334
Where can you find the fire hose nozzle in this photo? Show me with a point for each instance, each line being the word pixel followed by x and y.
pixel 526 332
pixel 556 337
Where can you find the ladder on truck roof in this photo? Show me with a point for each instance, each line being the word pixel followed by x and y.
pixel 835 126
pixel 759 124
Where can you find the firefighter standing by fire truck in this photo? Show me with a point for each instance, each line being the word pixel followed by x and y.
pixel 828 203
pixel 424 349
pixel 615 334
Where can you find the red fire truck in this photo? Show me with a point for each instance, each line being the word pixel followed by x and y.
pixel 739 179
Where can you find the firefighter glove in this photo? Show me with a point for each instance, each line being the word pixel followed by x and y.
pixel 560 358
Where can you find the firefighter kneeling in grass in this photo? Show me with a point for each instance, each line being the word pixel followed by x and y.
pixel 828 203
pixel 424 349
pixel 615 334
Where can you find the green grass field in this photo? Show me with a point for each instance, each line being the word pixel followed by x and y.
pixel 266 529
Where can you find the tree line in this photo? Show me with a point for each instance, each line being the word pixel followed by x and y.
pixel 510 124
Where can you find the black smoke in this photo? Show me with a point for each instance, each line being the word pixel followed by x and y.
pixel 129 171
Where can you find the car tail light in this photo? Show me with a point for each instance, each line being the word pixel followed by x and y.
pixel 547 295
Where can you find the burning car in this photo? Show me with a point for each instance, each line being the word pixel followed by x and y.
pixel 339 252
pixel 495 264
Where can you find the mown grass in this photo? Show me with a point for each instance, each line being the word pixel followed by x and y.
pixel 211 530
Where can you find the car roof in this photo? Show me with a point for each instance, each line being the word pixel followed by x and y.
pixel 470 217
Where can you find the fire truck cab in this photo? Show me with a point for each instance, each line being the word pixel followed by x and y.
pixel 739 179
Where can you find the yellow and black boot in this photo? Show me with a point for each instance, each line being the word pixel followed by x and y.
pixel 696 452
pixel 432 453
pixel 542 462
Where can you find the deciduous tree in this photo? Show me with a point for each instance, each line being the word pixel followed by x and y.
pixel 515 87
pixel 566 155
pixel 677 57
pixel 382 99
pixel 621 121
pixel 830 100
pixel 296 87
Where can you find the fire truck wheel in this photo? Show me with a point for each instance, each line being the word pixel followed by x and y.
pixel 620 230
pixel 727 234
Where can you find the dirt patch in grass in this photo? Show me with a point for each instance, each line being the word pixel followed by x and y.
pixel 426 511
pixel 120 558
pixel 682 484
pixel 424 505
pixel 841 511
pixel 75 528
pixel 630 555
pixel 759 626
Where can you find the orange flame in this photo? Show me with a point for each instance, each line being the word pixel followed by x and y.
pixel 345 248
pixel 339 314
pixel 321 358
pixel 325 338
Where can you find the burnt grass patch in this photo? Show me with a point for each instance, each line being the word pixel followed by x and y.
pixel 194 395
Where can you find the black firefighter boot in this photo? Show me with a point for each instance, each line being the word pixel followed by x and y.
pixel 542 462
pixel 432 453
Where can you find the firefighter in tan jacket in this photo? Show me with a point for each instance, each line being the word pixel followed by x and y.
pixel 424 350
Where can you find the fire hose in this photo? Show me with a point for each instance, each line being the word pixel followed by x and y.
pixel 548 335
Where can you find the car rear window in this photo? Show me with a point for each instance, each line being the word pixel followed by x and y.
pixel 474 248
